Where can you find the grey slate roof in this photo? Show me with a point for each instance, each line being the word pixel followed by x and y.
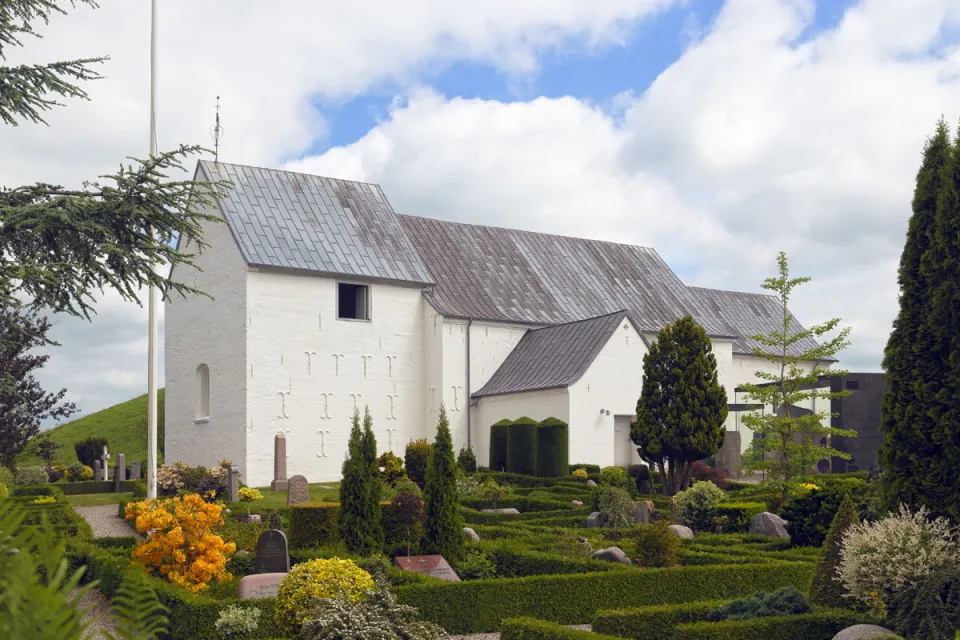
pixel 749 314
pixel 552 357
pixel 297 221
pixel 519 276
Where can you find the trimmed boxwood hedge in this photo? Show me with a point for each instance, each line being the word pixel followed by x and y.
pixel 84 488
pixel 739 514
pixel 478 606
pixel 522 446
pixel 498 445
pixel 516 563
pixel 313 524
pixel 652 623
pixel 533 629
pixel 553 448
pixel 822 624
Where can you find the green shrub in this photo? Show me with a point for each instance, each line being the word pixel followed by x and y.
pixel 698 505
pixel 614 477
pixel 738 514
pixel 313 524
pixel 476 566
pixel 810 514
pixel 511 562
pixel 655 622
pixel 825 624
pixel 616 507
pixel 238 622
pixel 499 435
pixel 553 448
pixel 478 606
pixel 640 475
pixel 6 476
pixel 785 601
pixel 467 460
pixel 589 468
pixel 403 523
pixel 320 578
pixel 28 476
pixel 90 450
pixel 417 453
pixel 826 589
pixel 443 528
pixel 522 446
pixel 533 629
pixel 391 468
pixel 929 607
pixel 4 492
pixel 656 546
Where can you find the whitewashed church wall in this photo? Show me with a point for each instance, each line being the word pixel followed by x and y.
pixel 538 405
pixel 198 330
pixel 612 383
pixel 307 371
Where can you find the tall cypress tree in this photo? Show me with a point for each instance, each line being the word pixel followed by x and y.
pixel 372 479
pixel 912 358
pixel 443 530
pixel 355 518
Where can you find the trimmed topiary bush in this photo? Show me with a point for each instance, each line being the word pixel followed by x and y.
pixel 443 530
pixel 522 446
pixel 698 505
pixel 467 459
pixel 499 434
pixel 553 448
pixel 31 476
pixel 90 450
pixel 826 589
pixel 656 545
pixel 417 453
pixel 313 524
pixel 320 578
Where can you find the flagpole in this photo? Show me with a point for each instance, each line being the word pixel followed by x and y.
pixel 152 333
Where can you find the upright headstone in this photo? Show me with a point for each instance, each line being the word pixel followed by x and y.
pixel 273 555
pixel 135 470
pixel 234 483
pixel 106 464
pixel 297 490
pixel 259 585
pixel 435 566
pixel 121 467
pixel 98 471
pixel 727 459
pixel 643 511
pixel 116 479
pixel 279 463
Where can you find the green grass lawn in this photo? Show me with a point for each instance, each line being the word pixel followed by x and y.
pixel 123 425
pixel 319 492
pixel 94 499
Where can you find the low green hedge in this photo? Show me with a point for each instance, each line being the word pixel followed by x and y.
pixel 478 606
pixel 652 623
pixel 739 514
pixel 533 629
pixel 58 515
pixel 523 504
pixel 515 563
pixel 692 558
pixel 92 486
pixel 37 490
pixel 822 624
pixel 313 524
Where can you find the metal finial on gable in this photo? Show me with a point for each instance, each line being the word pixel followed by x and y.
pixel 217 134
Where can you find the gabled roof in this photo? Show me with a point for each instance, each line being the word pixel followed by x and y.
pixel 296 221
pixel 510 275
pixel 552 357
pixel 750 314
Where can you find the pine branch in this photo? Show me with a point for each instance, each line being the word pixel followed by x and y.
pixel 141 615
pixel 24 89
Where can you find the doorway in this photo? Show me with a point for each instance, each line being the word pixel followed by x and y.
pixel 622 445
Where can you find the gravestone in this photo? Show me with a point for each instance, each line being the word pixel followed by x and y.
pixel 728 459
pixel 273 555
pixel 98 471
pixel 611 554
pixel 279 463
pixel 234 484
pixel 116 479
pixel 106 465
pixel 297 490
pixel 135 470
pixel 435 566
pixel 259 585
pixel 643 511
pixel 593 520
pixel 121 467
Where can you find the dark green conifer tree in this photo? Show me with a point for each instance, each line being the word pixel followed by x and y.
pixel 682 407
pixel 913 451
pixel 355 519
pixel 372 509
pixel 443 529
pixel 825 589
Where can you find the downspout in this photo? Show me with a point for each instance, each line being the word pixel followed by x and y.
pixel 467 385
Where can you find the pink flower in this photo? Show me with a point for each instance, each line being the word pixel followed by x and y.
pixel 578 503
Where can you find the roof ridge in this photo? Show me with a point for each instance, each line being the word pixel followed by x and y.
pixel 591 319
pixel 295 173
pixel 743 293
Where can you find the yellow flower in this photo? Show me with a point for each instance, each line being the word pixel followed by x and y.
pixel 320 578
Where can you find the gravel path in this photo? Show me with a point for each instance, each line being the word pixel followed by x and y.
pixel 496 636
pixel 100 619
pixel 105 522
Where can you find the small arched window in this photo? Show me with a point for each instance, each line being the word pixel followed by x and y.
pixel 203 393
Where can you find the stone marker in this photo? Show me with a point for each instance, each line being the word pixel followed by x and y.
pixel 509 511
pixel 116 479
pixel 611 554
pixel 259 585
pixel 864 632
pixel 591 483
pixel 297 490
pixel 682 532
pixel 98 471
pixel 435 566
pixel 279 463
pixel 471 535
pixel 135 470
pixel 593 520
pixel 121 467
pixel 234 483
pixel 272 552
pixel 642 511
pixel 769 524
pixel 106 465
pixel 728 459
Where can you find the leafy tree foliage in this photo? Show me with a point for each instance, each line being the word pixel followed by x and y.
pixel 23 402
pixel 795 441
pixel 921 408
pixel 443 529
pixel 357 519
pixel 826 590
pixel 682 407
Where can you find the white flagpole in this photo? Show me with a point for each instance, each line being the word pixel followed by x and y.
pixel 152 333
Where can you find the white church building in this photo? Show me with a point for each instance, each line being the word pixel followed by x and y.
pixel 324 299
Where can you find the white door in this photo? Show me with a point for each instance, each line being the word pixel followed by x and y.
pixel 622 446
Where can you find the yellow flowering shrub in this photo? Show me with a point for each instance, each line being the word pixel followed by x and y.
pixel 182 546
pixel 580 474
pixel 320 578
pixel 249 494
pixel 44 500
pixel 809 486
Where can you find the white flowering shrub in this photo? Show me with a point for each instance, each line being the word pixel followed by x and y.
pixel 880 558
pixel 170 477
pixel 698 504
pixel 238 622
pixel 379 617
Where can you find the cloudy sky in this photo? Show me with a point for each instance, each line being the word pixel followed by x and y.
pixel 717 132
